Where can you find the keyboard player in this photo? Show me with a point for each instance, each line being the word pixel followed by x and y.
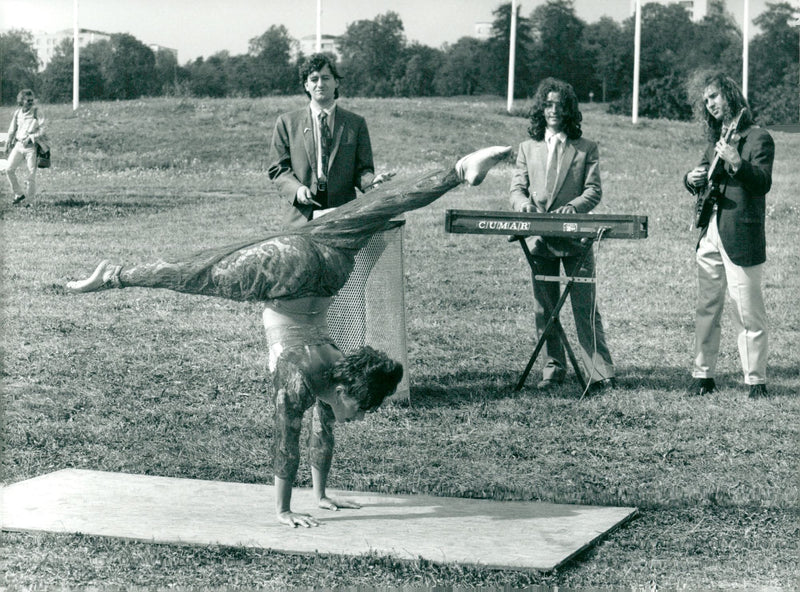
pixel 558 171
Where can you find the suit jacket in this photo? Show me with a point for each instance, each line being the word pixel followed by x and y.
pixel 293 159
pixel 741 209
pixel 578 184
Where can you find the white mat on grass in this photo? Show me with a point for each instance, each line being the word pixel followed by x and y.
pixel 508 535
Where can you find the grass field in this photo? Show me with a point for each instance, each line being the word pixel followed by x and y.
pixel 158 383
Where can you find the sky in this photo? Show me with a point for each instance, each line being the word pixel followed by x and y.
pixel 201 28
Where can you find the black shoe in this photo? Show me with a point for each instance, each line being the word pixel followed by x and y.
pixel 702 386
pixel 758 391
pixel 599 386
pixel 18 199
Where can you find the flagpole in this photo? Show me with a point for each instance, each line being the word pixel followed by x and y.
pixel 637 42
pixel 745 46
pixel 512 53
pixel 319 26
pixel 75 58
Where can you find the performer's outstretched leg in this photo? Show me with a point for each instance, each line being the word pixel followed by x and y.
pixel 313 260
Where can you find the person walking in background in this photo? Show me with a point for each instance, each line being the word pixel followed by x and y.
pixel 558 171
pixel 25 131
pixel 731 251
pixel 319 155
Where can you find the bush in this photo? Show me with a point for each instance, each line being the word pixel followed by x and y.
pixel 659 98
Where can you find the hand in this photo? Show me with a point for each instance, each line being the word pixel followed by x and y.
pixel 529 207
pixel 28 141
pixel 728 153
pixel 566 209
pixel 382 177
pixel 698 177
pixel 294 520
pixel 327 503
pixel 305 198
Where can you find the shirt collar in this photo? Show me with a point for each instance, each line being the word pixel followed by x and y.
pixel 561 136
pixel 315 110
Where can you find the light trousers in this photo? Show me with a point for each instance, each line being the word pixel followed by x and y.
pixel 716 273
pixel 18 155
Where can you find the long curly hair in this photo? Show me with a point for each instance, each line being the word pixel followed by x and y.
pixel 569 104
pixel 699 82
pixel 369 376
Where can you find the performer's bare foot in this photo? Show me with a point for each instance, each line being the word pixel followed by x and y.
pixel 105 276
pixel 473 167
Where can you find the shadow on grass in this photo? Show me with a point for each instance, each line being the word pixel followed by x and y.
pixel 470 386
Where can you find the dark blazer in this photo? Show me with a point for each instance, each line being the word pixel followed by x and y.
pixel 292 158
pixel 741 209
pixel 578 184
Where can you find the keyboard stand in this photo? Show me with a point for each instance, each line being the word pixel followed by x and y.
pixel 553 322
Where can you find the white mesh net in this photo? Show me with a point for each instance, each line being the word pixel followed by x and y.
pixel 370 308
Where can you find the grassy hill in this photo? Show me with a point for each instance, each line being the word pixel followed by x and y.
pixel 153 382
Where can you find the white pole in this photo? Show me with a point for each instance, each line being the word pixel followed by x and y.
pixel 319 26
pixel 512 53
pixel 745 46
pixel 75 58
pixel 637 42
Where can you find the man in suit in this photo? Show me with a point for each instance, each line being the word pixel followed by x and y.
pixel 732 248
pixel 319 155
pixel 557 171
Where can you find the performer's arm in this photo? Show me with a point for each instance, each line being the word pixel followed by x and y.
pixel 520 186
pixel 320 452
pixel 592 190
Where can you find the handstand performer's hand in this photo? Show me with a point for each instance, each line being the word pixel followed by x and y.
pixel 294 520
pixel 473 167
pixel 328 503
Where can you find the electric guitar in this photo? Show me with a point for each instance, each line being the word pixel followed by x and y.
pixel 706 199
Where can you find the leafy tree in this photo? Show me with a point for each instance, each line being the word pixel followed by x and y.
pixel 57 77
pixel 416 71
pixel 461 72
pixel 166 72
pixel 606 46
pixel 773 56
pixel 130 70
pixel 271 68
pixel 207 77
pixel 495 67
pixel 559 50
pixel 717 41
pixel 370 51
pixel 18 64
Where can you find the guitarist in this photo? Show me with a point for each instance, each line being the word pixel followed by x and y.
pixel 731 250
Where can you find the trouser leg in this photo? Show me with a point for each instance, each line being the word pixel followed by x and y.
pixel 750 318
pixel 595 355
pixel 711 285
pixel 545 296
pixel 14 160
pixel 30 160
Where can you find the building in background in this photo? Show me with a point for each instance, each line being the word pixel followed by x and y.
pixel 329 44
pixel 483 31
pixel 45 44
pixel 697 9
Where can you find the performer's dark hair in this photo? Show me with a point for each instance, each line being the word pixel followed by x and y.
pixel 25 92
pixel 569 104
pixel 699 82
pixel 369 375
pixel 314 63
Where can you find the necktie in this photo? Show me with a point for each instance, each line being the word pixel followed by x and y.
pixel 552 166
pixel 325 150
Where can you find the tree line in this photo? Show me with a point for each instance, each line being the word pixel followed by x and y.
pixel 377 60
